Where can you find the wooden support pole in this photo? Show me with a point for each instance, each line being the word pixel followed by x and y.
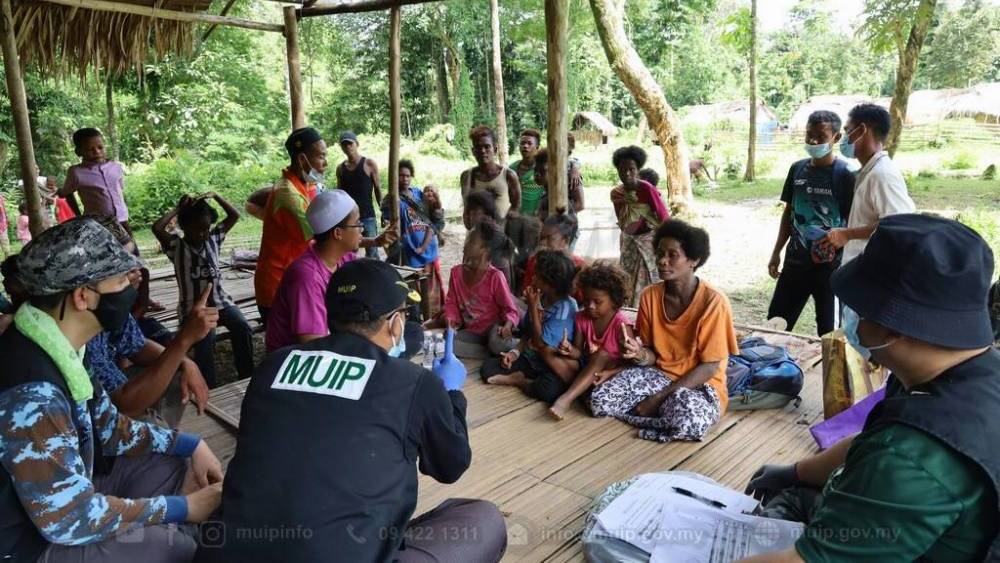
pixel 223 12
pixel 194 17
pixel 22 127
pixel 498 92
pixel 556 31
pixel 395 101
pixel 294 68
pixel 329 8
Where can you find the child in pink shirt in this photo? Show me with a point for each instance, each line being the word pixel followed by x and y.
pixel 599 327
pixel 479 304
pixel 23 224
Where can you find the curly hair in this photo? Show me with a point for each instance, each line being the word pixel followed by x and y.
pixel 408 164
pixel 564 223
pixel 482 131
pixel 556 269
pixel 533 133
pixel 541 158
pixel 191 212
pixel 631 152
pixel 81 135
pixel 483 200
pixel 650 175
pixel 694 241
pixel 607 276
pixel 825 117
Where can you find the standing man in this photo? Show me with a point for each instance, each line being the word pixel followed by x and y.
pixel 488 175
pixel 358 176
pixel 80 481
pixel 531 192
pixel 286 233
pixel 880 189
pixel 359 422
pixel 817 195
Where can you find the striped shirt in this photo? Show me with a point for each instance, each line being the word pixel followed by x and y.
pixel 196 267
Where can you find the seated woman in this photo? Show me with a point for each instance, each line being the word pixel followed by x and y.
pixel 596 346
pixel 685 334
pixel 479 305
pixel 535 366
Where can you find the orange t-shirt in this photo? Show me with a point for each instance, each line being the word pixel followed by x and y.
pixel 286 234
pixel 703 333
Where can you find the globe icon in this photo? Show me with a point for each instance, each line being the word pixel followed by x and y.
pixel 767 533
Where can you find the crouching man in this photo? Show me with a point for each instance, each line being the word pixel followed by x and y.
pixel 919 483
pixel 79 481
pixel 332 433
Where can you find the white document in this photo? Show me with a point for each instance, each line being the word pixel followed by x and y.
pixel 693 531
pixel 637 515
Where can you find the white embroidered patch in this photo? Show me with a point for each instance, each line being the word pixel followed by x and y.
pixel 325 373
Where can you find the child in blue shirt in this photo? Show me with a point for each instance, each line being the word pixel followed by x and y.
pixel 548 322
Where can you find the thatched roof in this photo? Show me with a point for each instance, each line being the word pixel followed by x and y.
pixel 839 104
pixel 594 119
pixel 737 110
pixel 981 103
pixel 61 39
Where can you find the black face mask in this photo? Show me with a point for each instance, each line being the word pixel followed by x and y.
pixel 114 308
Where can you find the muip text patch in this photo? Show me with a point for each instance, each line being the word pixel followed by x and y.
pixel 325 373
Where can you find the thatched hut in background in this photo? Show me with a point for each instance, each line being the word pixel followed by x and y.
pixel 737 112
pixel 593 128
pixel 839 104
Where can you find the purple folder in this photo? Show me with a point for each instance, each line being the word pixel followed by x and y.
pixel 846 423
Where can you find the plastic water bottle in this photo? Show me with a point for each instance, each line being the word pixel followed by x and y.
pixel 439 345
pixel 428 352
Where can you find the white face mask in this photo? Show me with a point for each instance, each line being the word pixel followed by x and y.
pixel 313 175
pixel 398 348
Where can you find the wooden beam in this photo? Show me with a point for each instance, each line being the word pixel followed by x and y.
pixel 224 12
pixel 556 31
pixel 328 8
pixel 19 107
pixel 498 92
pixel 395 103
pixel 294 68
pixel 150 12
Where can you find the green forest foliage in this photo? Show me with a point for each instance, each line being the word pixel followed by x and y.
pixel 218 118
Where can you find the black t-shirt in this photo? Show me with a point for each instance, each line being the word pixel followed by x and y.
pixel 820 199
pixel 331 436
pixel 359 185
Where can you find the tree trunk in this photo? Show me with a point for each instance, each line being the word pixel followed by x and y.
pixel 442 88
pixel 109 99
pixel 395 104
pixel 908 58
pixel 625 62
pixel 556 31
pixel 298 112
pixel 498 92
pixel 748 176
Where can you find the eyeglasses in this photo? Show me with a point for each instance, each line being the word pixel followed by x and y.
pixel 358 226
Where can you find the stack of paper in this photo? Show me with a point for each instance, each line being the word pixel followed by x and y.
pixel 683 518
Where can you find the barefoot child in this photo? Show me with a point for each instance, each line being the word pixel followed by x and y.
pixel 196 263
pixel 599 326
pixel 535 366
pixel 479 305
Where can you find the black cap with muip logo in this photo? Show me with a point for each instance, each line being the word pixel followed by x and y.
pixel 364 290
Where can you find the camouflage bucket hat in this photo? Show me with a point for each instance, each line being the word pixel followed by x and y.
pixel 77 253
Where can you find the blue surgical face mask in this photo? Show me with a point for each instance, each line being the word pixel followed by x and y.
pixel 313 175
pixel 398 348
pixel 846 146
pixel 818 151
pixel 851 321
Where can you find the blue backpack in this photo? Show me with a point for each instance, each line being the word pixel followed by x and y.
pixel 762 376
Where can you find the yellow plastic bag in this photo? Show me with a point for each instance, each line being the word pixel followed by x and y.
pixel 847 377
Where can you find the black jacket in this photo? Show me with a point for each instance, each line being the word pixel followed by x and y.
pixel 319 475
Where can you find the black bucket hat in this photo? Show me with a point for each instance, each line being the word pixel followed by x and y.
pixel 924 277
